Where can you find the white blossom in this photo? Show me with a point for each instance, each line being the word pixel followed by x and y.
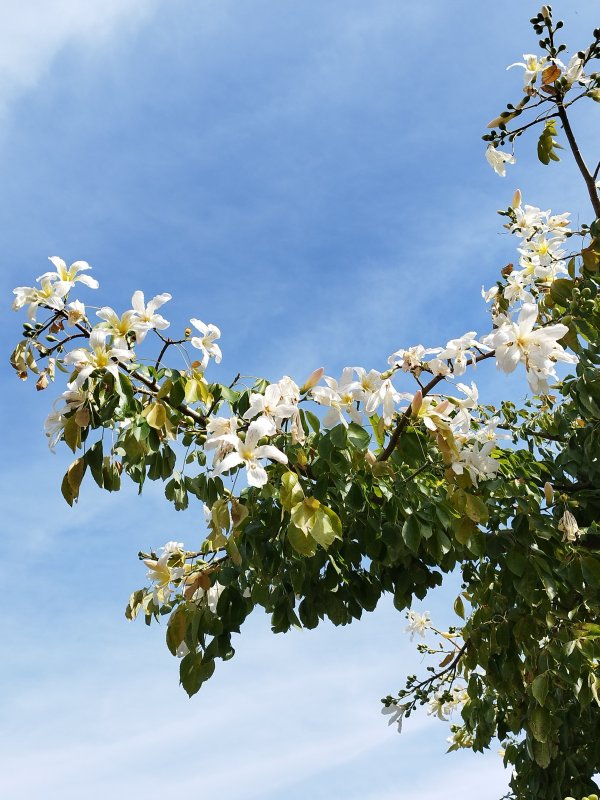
pixel 99 356
pixel 67 277
pixel 498 160
pixel 417 623
pixel 248 453
pixel 146 318
pixel 518 341
pixel 532 66
pixel 75 312
pixel 206 342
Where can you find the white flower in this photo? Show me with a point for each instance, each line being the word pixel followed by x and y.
pixel 271 406
pixel 248 453
pixel 50 295
pixel 476 460
pixel 396 712
pixel 161 574
pixel 574 72
pixel 489 294
pixel 517 341
pixel 99 356
pixel 206 342
pixel 115 326
pixel 459 351
pixel 532 65
pixel 68 276
pixel 146 318
pixel 75 312
pixel 387 396
pixel 460 738
pixel 417 623
pixel 568 525
pixel 53 428
pixel 498 160
pixel 340 396
pixel 212 596
pixel 412 357
pixel 432 412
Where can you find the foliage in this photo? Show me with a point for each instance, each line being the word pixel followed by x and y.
pixel 321 498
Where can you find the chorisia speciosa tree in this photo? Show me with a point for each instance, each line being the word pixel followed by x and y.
pixel 320 498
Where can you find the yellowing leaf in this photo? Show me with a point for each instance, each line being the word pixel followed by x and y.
pixel 291 492
pixel 156 415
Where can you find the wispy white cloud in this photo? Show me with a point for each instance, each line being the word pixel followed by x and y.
pixel 32 34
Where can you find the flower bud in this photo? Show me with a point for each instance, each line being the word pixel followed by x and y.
pixel 516 201
pixel 548 493
pixel 312 380
pixel 417 402
pixel 370 457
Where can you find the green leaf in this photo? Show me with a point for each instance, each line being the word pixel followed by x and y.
pixel 561 290
pixel 193 671
pixel 177 628
pixel 475 508
pixel 590 567
pixel 411 534
pixel 72 434
pixel 302 542
pixel 540 686
pixel 358 436
pixel 313 420
pixel 326 527
pixel 547 144
pixel 291 492
pixel 540 724
pixel 459 607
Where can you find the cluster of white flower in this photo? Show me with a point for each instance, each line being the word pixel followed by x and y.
pixel 171 572
pixel 542 261
pixel 358 387
pixel 444 703
pixel 54 286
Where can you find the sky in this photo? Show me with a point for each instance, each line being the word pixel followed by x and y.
pixel 309 177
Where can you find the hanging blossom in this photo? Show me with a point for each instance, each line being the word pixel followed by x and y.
pixel 497 159
pixel 99 356
pixel 248 452
pixel 538 348
pixel 206 342
pixel 569 527
pixel 396 712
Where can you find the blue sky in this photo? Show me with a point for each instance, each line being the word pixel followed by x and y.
pixel 308 176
